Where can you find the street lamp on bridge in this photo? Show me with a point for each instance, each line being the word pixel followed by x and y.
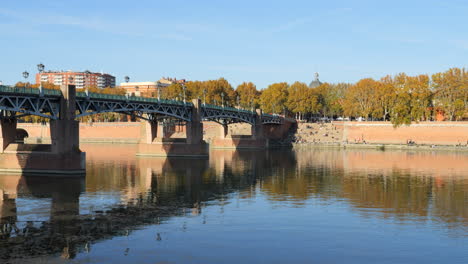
pixel 158 85
pixel 222 99
pixel 25 75
pixel 40 68
pixel 204 96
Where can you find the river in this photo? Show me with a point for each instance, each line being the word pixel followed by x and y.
pixel 276 206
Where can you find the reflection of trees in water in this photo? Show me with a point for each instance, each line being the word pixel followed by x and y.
pixel 154 190
pixel 396 192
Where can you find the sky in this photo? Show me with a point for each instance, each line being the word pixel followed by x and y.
pixel 243 40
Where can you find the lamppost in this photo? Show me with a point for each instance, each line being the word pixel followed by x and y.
pixel 183 89
pixel 40 68
pixel 238 102
pixel 252 105
pixel 204 96
pixel 159 90
pixel 25 75
pixel 222 99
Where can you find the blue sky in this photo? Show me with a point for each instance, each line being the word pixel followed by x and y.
pixel 259 41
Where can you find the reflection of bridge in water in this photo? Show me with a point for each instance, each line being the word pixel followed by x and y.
pixel 63 107
pixel 152 190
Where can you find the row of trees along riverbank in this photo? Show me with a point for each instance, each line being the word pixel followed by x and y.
pixel 401 99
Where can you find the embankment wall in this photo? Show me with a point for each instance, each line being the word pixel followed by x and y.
pixel 437 133
pixel 430 133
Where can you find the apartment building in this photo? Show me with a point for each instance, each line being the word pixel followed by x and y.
pixel 80 79
pixel 149 89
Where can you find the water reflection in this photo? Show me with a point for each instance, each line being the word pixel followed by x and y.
pixel 122 193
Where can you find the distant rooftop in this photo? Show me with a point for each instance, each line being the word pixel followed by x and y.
pixel 315 83
pixel 70 71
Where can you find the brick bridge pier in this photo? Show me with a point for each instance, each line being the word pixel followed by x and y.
pixel 153 141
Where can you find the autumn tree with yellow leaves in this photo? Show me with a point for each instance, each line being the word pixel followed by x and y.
pixel 274 98
pixel 248 94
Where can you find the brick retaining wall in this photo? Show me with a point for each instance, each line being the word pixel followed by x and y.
pixel 437 133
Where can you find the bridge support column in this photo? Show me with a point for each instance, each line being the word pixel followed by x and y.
pixel 154 142
pixel 223 131
pixel 7 132
pixel 227 141
pixel 257 128
pixel 151 131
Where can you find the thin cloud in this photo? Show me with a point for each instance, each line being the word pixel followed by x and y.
pixel 132 28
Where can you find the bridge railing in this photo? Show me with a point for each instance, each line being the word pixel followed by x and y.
pixel 114 97
pixel 271 116
pixel 227 108
pixel 23 90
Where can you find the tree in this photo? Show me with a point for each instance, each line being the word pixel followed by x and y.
pixel 330 98
pixel 386 97
pixel 248 95
pixel 402 108
pixel 418 87
pixel 216 88
pixel 195 89
pixel 301 100
pixel 451 92
pixel 360 98
pixel 173 91
pixel 273 98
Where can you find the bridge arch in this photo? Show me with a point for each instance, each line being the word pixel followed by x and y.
pixel 21 134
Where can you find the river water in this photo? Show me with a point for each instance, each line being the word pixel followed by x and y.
pixel 277 206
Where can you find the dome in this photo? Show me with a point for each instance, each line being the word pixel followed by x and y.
pixel 315 83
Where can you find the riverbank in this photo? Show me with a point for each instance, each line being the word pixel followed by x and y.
pixel 424 135
pixel 381 147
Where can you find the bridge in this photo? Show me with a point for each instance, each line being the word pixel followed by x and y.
pixel 64 107
pixel 20 101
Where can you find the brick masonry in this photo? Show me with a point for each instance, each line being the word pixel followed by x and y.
pixel 437 133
